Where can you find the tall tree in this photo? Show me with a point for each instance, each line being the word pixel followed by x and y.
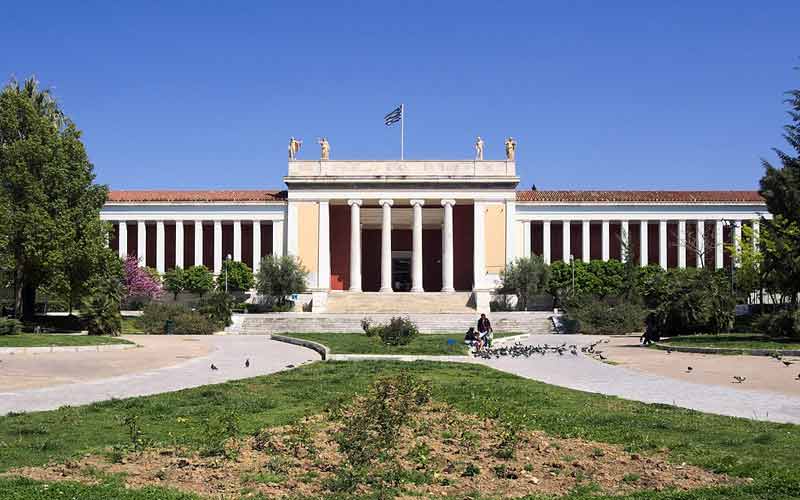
pixel 47 189
pixel 780 188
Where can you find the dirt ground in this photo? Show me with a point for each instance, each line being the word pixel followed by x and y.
pixel 28 371
pixel 761 373
pixel 437 450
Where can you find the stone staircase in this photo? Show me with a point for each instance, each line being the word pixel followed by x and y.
pixel 532 322
pixel 399 302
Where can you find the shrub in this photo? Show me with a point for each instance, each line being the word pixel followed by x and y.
pixel 398 331
pixel 10 326
pixel 198 280
pixel 187 322
pixel 175 281
pixel 280 277
pixel 597 278
pixel 525 278
pixel 218 307
pixel 606 316
pixel 240 276
pixel 780 324
pixel 101 307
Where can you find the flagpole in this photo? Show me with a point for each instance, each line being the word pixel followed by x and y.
pixel 402 127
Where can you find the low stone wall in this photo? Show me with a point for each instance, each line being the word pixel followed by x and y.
pixel 321 349
pixel 726 350
pixel 76 348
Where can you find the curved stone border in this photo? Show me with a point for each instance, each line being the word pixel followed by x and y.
pixel 727 350
pixel 323 351
pixel 64 348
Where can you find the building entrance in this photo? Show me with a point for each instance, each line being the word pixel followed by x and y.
pixel 401 271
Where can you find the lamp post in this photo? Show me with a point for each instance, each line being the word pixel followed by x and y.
pixel 227 263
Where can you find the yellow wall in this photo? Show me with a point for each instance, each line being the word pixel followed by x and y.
pixel 495 224
pixel 308 234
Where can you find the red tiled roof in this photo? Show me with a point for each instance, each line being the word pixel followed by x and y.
pixel 197 196
pixel 640 196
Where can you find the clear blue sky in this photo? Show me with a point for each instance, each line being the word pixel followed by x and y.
pixel 661 95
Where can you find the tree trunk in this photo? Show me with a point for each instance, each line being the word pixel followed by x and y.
pixel 18 292
pixel 28 302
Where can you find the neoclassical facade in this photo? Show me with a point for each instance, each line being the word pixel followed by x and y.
pixel 424 226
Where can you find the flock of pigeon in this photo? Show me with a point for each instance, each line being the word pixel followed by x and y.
pixel 519 350
pixel 246 365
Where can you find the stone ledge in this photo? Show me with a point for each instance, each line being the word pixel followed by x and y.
pixel 77 348
pixel 323 351
pixel 402 357
pixel 727 350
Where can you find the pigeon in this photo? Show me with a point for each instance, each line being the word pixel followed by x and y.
pixel 739 379
pixel 798 376
pixel 688 369
pixel 787 363
pixel 289 366
pixel 602 358
pixel 247 363
pixel 214 367
pixel 669 351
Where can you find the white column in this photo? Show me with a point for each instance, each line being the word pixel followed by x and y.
pixel 643 238
pixel 511 246
pixel 416 254
pixel 682 244
pixel 737 241
pixel 122 244
pixel 565 241
pixel 526 239
pixel 178 243
pixel 292 229
pixel 386 245
pixel 160 246
pixel 355 245
pixel 237 240
pixel 756 230
pixel 141 243
pixel 256 245
pixel 546 241
pixel 217 246
pixel 277 238
pixel 447 246
pixel 198 243
pixel 606 240
pixel 718 245
pixel 625 241
pixel 700 244
pixel 586 249
pixel 662 244
pixel 479 246
pixel 324 251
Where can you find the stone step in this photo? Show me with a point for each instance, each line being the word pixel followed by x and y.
pixel 399 302
pixel 502 322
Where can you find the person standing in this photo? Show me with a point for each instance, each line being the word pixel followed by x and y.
pixel 485 330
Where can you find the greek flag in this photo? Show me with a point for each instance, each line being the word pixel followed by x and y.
pixel 394 116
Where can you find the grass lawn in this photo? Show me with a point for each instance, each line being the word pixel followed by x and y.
pixel 358 343
pixel 49 339
pixel 765 452
pixel 734 341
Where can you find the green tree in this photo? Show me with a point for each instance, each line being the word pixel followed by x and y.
pixel 749 264
pixel 175 281
pixel 780 187
pixel 525 278
pixel 48 194
pixel 101 304
pixel 199 280
pixel 280 277
pixel 239 276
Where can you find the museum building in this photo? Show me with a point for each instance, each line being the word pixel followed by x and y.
pixel 423 226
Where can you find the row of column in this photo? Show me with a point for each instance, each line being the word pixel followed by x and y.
pixel 700 242
pixel 141 240
pixel 386 244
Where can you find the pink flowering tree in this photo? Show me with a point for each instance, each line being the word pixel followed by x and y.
pixel 138 282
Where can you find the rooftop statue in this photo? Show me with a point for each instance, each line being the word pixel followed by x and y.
pixel 479 148
pixel 511 148
pixel 294 148
pixel 325 149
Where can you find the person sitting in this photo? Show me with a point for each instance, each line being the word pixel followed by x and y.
pixel 485 330
pixel 472 339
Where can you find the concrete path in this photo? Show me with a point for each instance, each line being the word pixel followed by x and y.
pixel 587 374
pixel 227 353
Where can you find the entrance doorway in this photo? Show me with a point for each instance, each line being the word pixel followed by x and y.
pixel 401 270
